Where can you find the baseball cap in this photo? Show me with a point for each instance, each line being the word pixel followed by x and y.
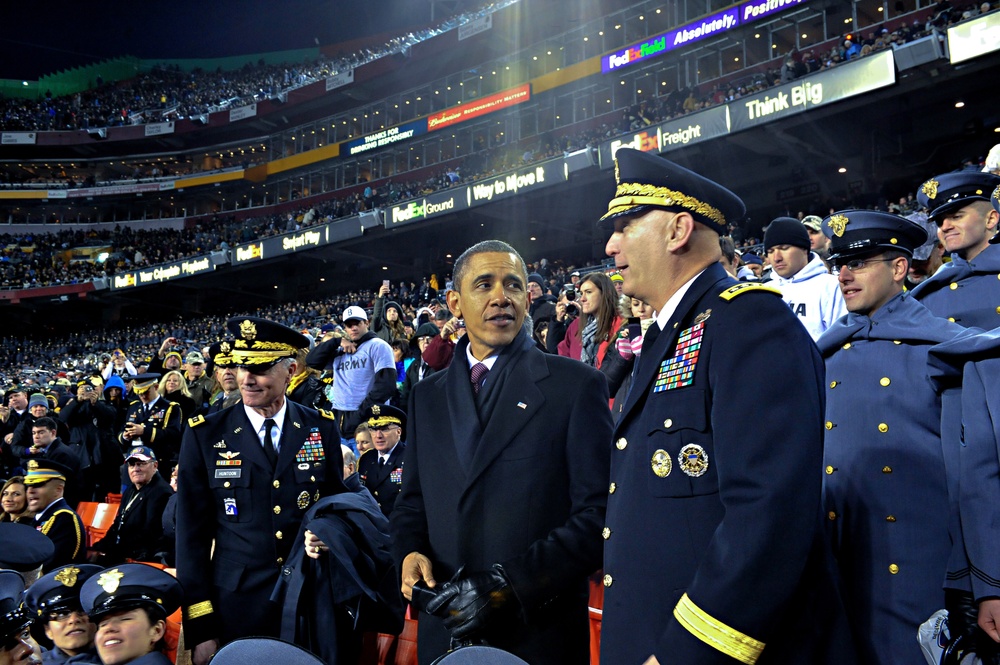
pixel 141 453
pixel 195 358
pixel 354 312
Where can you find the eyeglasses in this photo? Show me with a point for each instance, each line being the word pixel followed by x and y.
pixel 65 613
pixel 137 462
pixel 854 265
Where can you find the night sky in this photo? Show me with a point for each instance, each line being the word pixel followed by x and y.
pixel 37 38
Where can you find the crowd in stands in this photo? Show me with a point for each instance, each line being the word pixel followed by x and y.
pixel 166 93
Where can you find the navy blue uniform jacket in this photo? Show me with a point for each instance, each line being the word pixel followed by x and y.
pixel 252 513
pixel 531 499
pixel 714 550
pixel 966 292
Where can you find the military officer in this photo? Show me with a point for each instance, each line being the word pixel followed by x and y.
pixel 249 475
pixel 225 374
pixel 152 420
pixel 60 622
pixel 382 471
pixel 45 484
pixel 886 490
pixel 714 546
pixel 966 290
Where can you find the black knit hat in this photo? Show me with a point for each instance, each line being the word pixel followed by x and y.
pixel 786 231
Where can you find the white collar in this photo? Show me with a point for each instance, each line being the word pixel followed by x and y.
pixel 489 362
pixel 257 420
pixel 665 314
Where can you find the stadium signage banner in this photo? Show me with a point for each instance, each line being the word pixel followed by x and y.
pixel 473 28
pixel 339 80
pixel 970 39
pixel 384 138
pixel 246 253
pixel 159 128
pixel 708 124
pixel 418 210
pixel 503 186
pixel 841 82
pixel 479 107
pixel 19 138
pixel 163 273
pixel 243 112
pixel 708 26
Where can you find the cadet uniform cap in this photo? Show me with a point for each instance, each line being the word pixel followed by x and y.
pixel 13 619
pixel 646 182
pixel 261 343
pixel 127 587
pixel 950 191
pixel 24 548
pixel 59 589
pixel 860 232
pixel 263 651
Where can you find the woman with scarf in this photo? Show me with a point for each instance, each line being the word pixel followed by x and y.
pixel 586 338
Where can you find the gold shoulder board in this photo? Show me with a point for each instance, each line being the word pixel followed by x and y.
pixel 745 287
pixel 195 421
pixel 327 414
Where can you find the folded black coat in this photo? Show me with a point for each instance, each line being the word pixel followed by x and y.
pixel 352 588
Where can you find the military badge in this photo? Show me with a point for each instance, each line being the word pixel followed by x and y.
pixel 220 444
pixel 248 330
pixel 838 223
pixel 316 496
pixel 225 347
pixel 304 466
pixel 693 460
pixel 229 506
pixel 110 579
pixel 67 576
pixel 302 501
pixel 661 463
pixel 396 476
pixel 930 188
pixel 701 318
pixel 229 454
pixel 376 409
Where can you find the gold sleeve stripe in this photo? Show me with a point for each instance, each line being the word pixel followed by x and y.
pixel 200 609
pixel 716 634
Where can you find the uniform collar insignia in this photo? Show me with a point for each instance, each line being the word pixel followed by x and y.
pixel 296 425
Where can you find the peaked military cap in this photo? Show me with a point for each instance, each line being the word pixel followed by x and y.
pixel 43 470
pixel 263 651
pixel 24 548
pixel 13 619
pixel 144 382
pixel 951 191
pixel 856 232
pixel 646 182
pixel 262 343
pixel 127 587
pixel 219 353
pixel 59 590
pixel 380 415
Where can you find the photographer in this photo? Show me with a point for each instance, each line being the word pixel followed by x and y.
pixel 91 423
pixel 567 309
pixel 118 364
pixel 586 337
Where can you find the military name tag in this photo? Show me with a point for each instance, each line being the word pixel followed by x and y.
pixel 228 473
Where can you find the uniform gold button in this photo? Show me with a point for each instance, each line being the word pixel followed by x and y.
pixel 893 241
pixel 606 533
pixel 896 341
pixel 952 319
pixel 225 484
pixel 833 384
pixel 884 381
pixel 277 510
pixel 621 443
pixel 277 534
pixel 953 286
pixel 832 515
pixel 668 423
pixel 890 518
pixel 829 425
pixel 280 561
pixel 608 580
pixel 277 484
pixel 312 479
pixel 830 470
pixel 612 488
pixel 893 568
pixel 882 427
pixel 998 310
pixel 886 469
pixel 846 346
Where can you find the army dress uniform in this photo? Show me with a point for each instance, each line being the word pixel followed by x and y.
pixel 714 547
pixel 163 421
pixel 966 292
pixel 384 480
pixel 58 520
pixel 230 493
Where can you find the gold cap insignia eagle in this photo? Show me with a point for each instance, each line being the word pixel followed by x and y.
pixel 376 409
pixel 248 330
pixel 839 224
pixel 930 188
pixel 110 579
pixel 225 347
pixel 32 465
pixel 67 576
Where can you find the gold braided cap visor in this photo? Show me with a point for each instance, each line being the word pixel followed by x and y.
pixel 630 196
pixel 382 421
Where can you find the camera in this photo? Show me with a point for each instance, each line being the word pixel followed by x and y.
pixel 572 309
pixel 570 291
pixel 88 389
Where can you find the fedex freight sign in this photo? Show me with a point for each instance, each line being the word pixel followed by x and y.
pixel 713 24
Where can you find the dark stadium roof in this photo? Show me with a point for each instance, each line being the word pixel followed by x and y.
pixel 39 39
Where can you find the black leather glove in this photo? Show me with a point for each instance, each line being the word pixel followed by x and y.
pixel 467 603
pixel 963 613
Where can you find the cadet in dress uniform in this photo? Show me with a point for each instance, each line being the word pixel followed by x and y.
pixel 382 471
pixel 249 475
pixel 45 484
pixel 714 545
pixel 966 290
pixel 130 604
pixel 886 488
pixel 153 421
pixel 17 646
pixel 60 622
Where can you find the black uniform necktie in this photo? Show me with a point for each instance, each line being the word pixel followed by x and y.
pixel 269 448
